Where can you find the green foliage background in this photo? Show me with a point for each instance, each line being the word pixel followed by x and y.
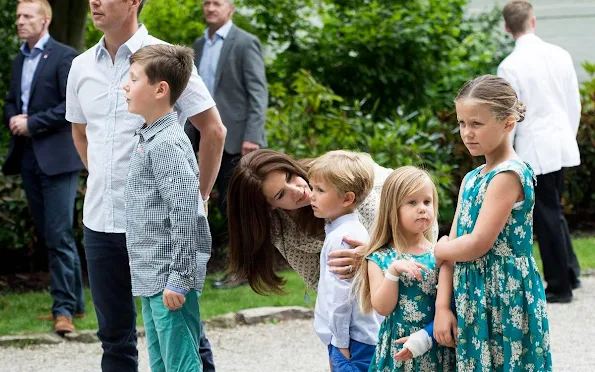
pixel 376 76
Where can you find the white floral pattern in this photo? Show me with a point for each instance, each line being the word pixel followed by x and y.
pixel 501 309
pixel 413 312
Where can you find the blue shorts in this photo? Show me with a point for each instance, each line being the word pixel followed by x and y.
pixel 361 356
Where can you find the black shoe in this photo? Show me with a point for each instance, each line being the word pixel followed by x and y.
pixel 576 285
pixel 553 298
pixel 228 282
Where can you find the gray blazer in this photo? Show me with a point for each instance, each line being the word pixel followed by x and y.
pixel 241 92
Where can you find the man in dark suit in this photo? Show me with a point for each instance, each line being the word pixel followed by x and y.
pixel 42 151
pixel 230 62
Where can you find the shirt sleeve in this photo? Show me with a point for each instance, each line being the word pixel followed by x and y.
pixel 178 186
pixel 340 306
pixel 195 98
pixel 573 99
pixel 74 112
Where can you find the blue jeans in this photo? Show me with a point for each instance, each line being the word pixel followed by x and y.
pixel 361 357
pixel 51 202
pixel 109 278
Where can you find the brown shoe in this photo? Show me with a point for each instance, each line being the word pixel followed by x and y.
pixel 63 325
pixel 50 317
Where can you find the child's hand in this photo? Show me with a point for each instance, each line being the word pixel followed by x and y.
pixel 411 268
pixel 445 327
pixel 345 352
pixel 404 354
pixel 173 300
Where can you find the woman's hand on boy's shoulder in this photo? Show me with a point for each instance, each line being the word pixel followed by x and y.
pixel 346 262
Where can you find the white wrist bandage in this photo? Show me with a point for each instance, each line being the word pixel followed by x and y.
pixel 418 343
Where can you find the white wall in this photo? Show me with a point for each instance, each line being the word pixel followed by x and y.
pixel 567 23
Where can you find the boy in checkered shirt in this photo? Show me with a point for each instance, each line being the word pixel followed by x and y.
pixel 167 234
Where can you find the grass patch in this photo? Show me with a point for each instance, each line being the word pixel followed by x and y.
pixel 18 310
pixel 584 249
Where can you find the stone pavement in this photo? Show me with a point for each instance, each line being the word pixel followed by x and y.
pixel 292 346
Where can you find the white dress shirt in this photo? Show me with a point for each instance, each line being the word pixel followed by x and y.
pixel 94 96
pixel 337 317
pixel 544 78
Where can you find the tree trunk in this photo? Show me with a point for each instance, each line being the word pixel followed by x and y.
pixel 69 20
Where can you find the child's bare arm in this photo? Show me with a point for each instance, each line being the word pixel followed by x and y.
pixel 503 191
pixel 384 293
pixel 445 323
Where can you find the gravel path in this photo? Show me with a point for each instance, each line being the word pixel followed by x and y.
pixel 292 346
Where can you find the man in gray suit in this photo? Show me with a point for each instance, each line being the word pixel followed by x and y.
pixel 230 62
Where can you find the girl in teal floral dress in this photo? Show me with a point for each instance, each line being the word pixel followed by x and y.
pixel 399 277
pixel 502 322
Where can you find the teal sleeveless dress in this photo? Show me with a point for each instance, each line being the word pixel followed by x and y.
pixel 501 308
pixel 413 312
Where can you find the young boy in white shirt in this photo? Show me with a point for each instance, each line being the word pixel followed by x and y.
pixel 340 181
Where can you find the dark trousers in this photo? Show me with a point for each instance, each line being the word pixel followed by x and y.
pixel 51 202
pixel 109 278
pixel 560 266
pixel 228 164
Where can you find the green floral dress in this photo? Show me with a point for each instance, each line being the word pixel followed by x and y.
pixel 413 312
pixel 500 301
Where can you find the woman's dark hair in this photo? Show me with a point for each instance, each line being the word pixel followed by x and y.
pixel 252 253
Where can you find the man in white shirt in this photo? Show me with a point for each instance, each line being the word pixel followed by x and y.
pixel 103 132
pixel 544 78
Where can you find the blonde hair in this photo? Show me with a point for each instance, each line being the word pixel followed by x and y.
pixel 45 8
pixel 345 171
pixel 401 183
pixel 170 63
pixel 517 16
pixel 497 94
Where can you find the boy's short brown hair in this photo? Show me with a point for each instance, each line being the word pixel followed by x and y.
pixel 517 15
pixel 345 171
pixel 164 62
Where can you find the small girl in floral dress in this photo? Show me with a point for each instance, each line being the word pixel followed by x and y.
pixel 502 322
pixel 399 277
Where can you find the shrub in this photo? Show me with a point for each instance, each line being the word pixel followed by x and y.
pixel 580 195
pixel 310 119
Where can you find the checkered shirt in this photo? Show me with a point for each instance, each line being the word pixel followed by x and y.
pixel 167 234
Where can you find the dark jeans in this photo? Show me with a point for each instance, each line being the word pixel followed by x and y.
pixel 51 202
pixel 560 266
pixel 109 277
